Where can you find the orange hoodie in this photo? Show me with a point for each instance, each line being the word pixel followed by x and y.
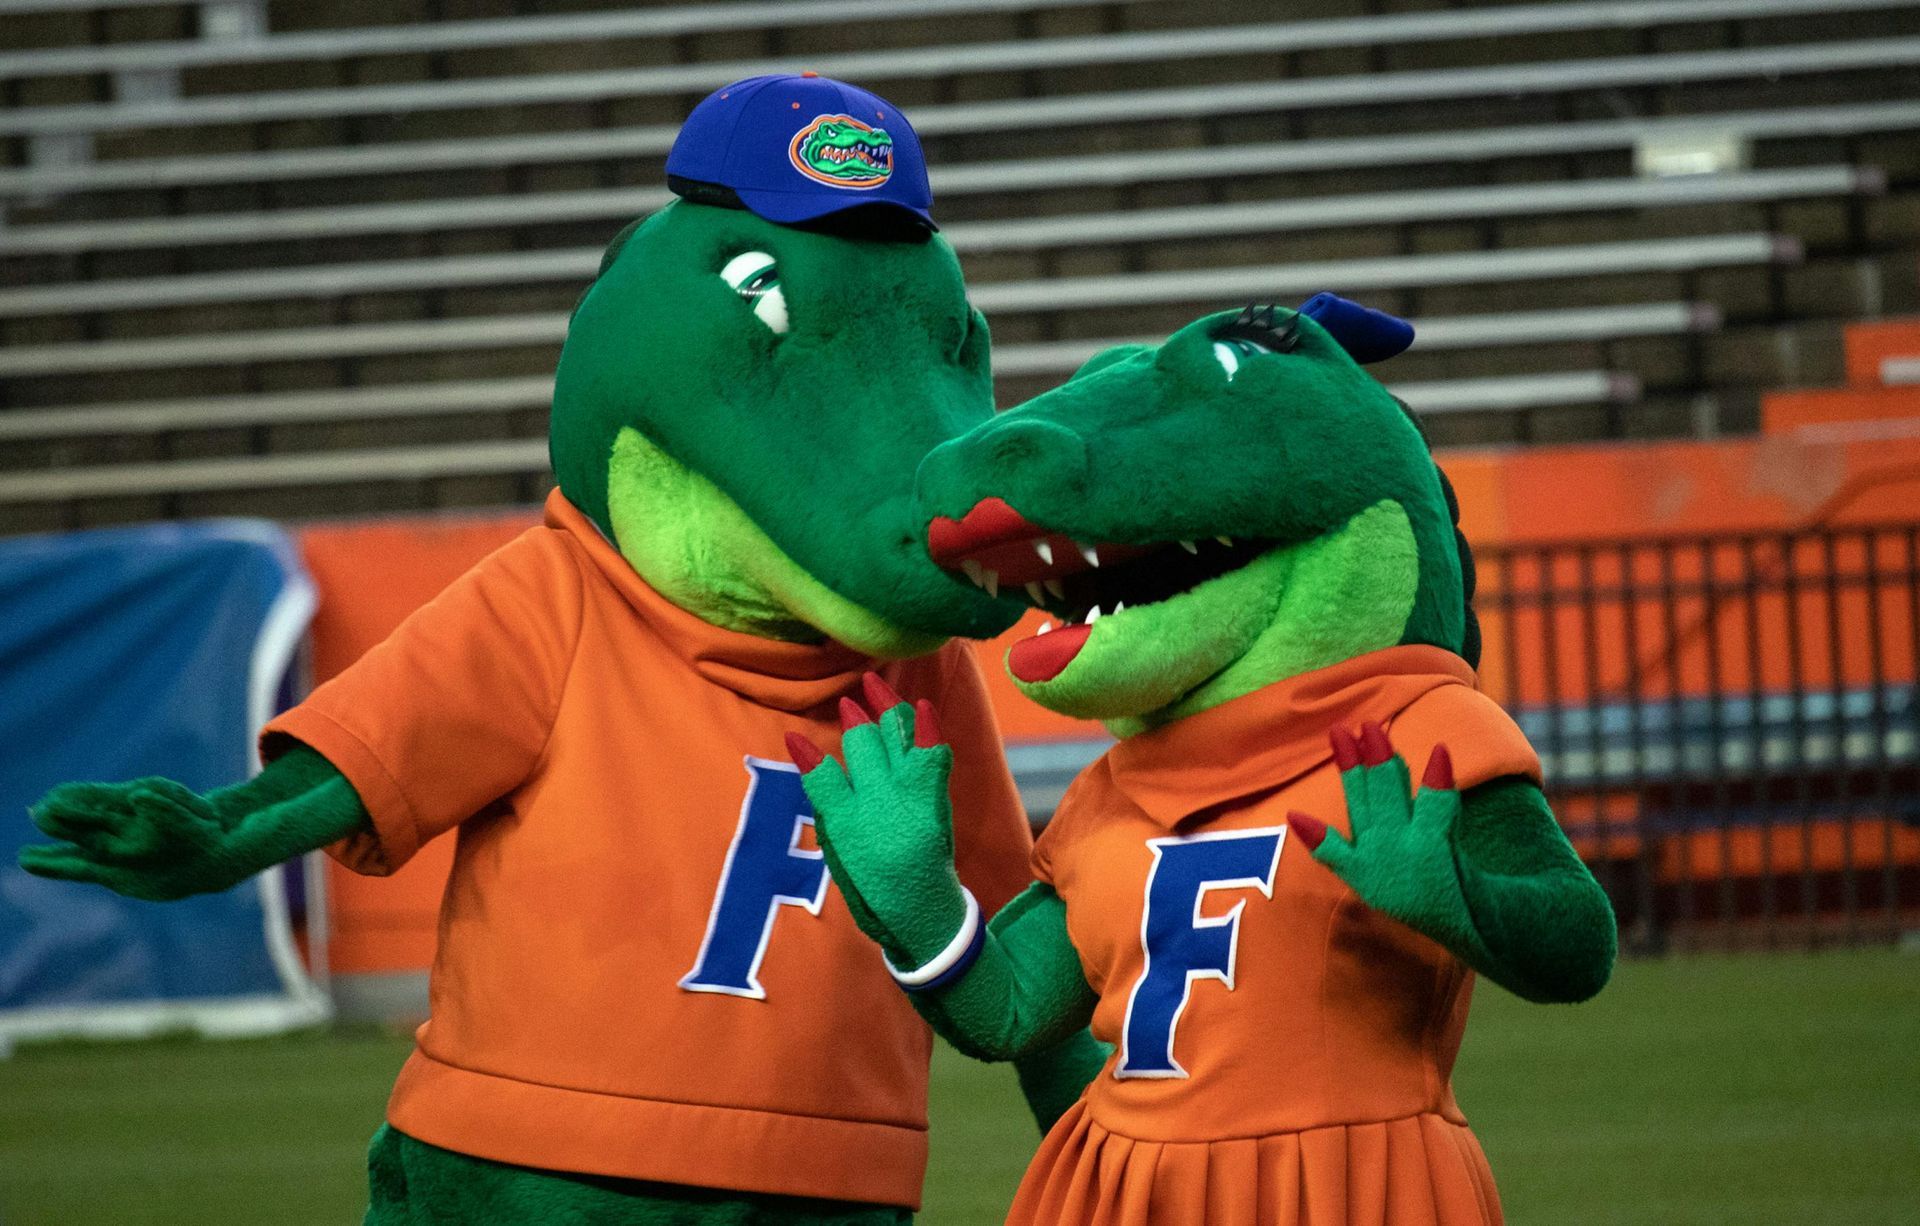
pixel 643 970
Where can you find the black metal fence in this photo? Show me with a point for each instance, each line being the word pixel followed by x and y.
pixel 1728 724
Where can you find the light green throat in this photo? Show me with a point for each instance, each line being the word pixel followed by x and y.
pixel 1292 610
pixel 695 546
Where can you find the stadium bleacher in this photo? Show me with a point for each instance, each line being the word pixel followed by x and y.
pixel 289 269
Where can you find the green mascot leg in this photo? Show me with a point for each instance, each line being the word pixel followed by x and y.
pixel 415 1184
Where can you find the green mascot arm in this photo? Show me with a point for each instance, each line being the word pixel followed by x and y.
pixel 1487 872
pixel 885 825
pixel 154 839
pixel 1025 993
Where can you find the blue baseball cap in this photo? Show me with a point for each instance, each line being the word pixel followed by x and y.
pixel 796 147
pixel 1366 334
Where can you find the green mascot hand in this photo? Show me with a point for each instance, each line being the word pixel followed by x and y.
pixel 1401 858
pixel 158 840
pixel 151 839
pixel 885 824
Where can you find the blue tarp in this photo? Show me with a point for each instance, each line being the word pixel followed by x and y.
pixel 152 650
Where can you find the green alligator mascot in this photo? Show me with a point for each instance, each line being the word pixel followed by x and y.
pixel 647 1006
pixel 1262 591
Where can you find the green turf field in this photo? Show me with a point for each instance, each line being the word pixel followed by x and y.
pixel 1753 1090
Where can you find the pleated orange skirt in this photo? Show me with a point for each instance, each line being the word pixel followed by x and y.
pixel 1423 1170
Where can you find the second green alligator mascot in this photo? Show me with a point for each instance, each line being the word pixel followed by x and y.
pixel 1265 596
pixel 647 1006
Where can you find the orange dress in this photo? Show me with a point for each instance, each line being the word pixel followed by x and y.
pixel 1299 1073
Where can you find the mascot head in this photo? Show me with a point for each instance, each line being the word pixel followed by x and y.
pixel 750 382
pixel 1239 504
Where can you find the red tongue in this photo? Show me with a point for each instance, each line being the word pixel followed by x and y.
pixel 1046 656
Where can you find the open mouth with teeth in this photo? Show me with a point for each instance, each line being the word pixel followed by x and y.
pixel 1082 582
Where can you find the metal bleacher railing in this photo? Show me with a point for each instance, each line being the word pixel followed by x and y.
pixel 1728 723
pixel 1728 726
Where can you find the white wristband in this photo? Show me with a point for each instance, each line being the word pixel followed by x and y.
pixel 946 959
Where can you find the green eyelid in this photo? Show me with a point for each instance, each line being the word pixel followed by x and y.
pixel 755 277
pixel 760 282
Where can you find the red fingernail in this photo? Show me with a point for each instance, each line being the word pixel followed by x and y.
pixel 926 725
pixel 1346 754
pixel 851 716
pixel 1374 746
pixel 805 754
pixel 880 695
pixel 1309 830
pixel 1439 774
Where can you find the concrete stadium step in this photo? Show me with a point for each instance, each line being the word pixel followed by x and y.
pixel 11 8
pixel 1003 175
pixel 1153 47
pixel 578 266
pixel 286 345
pixel 202 412
pixel 24 8
pixel 70 483
pixel 1010 123
pixel 355 341
pixel 1133 225
pixel 503 32
pixel 667 22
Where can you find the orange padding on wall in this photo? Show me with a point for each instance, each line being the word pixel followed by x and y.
pixel 1869 344
pixel 371 575
pixel 1785 412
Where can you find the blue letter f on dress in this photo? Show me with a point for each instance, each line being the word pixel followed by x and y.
pixel 1181 945
pixel 766 869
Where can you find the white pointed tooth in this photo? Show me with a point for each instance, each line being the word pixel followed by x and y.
pixel 1093 615
pixel 1225 540
pixel 1091 555
pixel 1189 546
pixel 973 571
pixel 1045 628
pixel 991 582
pixel 1045 551
pixel 1036 593
pixel 1121 607
pixel 1056 587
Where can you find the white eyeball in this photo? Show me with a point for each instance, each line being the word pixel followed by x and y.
pixel 756 278
pixel 1228 357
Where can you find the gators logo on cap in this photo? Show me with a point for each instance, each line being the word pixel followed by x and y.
pixel 840 151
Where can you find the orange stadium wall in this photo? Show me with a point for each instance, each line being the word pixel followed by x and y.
pixel 372 574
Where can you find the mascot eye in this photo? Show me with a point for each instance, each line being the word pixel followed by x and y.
pixel 756 278
pixel 1231 353
pixel 1254 332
